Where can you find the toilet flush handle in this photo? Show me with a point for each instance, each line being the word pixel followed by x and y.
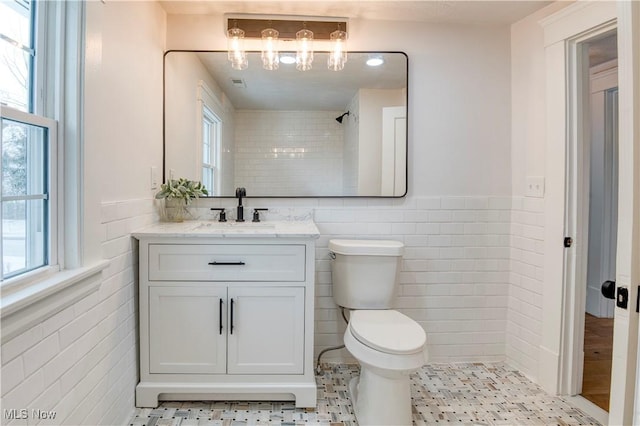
pixel 332 255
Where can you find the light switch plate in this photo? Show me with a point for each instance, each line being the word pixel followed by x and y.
pixel 535 186
pixel 154 177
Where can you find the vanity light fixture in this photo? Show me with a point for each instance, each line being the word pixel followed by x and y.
pixel 235 48
pixel 270 29
pixel 270 60
pixel 338 54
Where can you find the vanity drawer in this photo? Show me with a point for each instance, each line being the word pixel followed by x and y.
pixel 226 262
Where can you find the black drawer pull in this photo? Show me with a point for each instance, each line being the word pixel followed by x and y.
pixel 226 263
pixel 220 318
pixel 231 324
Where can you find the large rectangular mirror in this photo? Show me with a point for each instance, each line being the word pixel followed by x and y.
pixel 287 133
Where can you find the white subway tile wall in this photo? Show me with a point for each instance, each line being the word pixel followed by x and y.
pixel 454 279
pixel 81 363
pixel 289 152
pixel 455 274
pixel 524 319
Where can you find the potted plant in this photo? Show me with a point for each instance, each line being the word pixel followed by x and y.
pixel 178 194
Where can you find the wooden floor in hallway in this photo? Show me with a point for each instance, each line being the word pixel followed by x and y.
pixel 598 345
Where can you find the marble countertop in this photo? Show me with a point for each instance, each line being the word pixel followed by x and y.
pixel 214 229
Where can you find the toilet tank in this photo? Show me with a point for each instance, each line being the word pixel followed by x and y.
pixel 365 272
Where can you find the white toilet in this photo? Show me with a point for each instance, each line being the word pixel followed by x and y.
pixel 388 345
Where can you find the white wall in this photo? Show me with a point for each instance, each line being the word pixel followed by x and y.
pixel 369 119
pixel 528 158
pixel 82 362
pixel 350 150
pixel 184 73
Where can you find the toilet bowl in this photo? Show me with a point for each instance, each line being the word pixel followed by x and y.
pixel 388 345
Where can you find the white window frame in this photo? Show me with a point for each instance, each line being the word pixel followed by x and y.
pixel 209 109
pixel 47 106
pixel 51 220
pixel 211 127
pixel 33 297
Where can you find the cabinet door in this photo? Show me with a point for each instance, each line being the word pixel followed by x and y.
pixel 186 334
pixel 268 330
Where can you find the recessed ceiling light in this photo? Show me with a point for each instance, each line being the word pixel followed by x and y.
pixel 287 59
pixel 375 62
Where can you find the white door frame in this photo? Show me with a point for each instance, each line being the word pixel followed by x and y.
pixel 558 337
pixel 577 208
pixel 625 332
pixel 558 325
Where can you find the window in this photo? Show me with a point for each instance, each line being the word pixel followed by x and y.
pixel 28 150
pixel 210 151
pixel 27 141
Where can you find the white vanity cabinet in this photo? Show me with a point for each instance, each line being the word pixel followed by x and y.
pixel 225 318
pixel 219 329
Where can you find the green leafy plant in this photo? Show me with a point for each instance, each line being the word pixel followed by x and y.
pixel 182 189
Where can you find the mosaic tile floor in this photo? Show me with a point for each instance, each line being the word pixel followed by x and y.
pixel 462 394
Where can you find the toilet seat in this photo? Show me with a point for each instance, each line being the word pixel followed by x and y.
pixel 387 331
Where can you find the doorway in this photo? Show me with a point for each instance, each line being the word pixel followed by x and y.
pixel 602 164
pixel 564 313
pixel 601 188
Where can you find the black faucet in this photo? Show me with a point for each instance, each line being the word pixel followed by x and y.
pixel 240 192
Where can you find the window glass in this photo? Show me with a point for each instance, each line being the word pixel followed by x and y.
pixel 16 54
pixel 210 150
pixel 24 197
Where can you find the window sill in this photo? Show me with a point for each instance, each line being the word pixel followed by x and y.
pixel 30 305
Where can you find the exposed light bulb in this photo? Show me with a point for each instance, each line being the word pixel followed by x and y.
pixel 304 55
pixel 235 49
pixel 270 60
pixel 338 54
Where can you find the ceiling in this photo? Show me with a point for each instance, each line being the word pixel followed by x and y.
pixel 317 89
pixel 429 11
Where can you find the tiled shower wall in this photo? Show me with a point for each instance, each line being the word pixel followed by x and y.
pixel 82 361
pixel 288 152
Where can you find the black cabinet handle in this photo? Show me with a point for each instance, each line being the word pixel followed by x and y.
pixel 220 318
pixel 231 323
pixel 226 263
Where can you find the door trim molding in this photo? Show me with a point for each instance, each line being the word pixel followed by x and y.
pixel 563 32
pixel 577 189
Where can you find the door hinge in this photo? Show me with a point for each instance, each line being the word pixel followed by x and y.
pixel 568 241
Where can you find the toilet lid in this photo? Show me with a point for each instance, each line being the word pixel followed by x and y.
pixel 387 331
